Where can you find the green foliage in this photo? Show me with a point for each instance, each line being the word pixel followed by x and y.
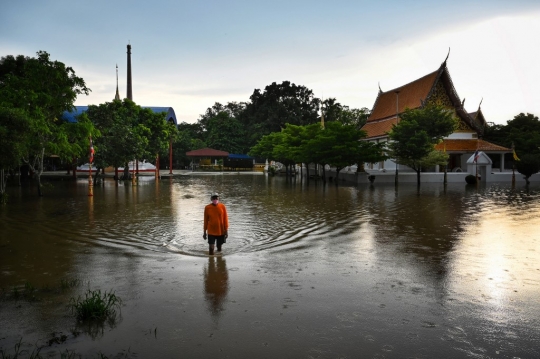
pixel 42 90
pixel 523 131
pixel 69 283
pixel 279 104
pixel 418 130
pixel 128 132
pixel 95 306
pixel 14 126
pixel 337 144
pixel 528 165
pixel 189 137
pixel 20 353
pixel 225 133
pixel 334 111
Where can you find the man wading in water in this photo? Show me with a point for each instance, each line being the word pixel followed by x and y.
pixel 216 223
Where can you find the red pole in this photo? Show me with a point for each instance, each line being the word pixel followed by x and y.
pixel 91 159
pixel 170 156
pixel 157 166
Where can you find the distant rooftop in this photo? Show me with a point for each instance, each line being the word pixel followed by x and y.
pixel 71 116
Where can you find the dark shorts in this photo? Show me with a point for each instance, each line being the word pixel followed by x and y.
pixel 213 239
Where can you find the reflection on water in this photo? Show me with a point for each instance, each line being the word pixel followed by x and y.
pixel 314 270
pixel 216 284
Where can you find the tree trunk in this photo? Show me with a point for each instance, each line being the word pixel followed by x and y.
pixel 126 172
pixel 418 178
pixel 337 174
pixel 3 195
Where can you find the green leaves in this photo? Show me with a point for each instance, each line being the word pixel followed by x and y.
pixel 528 165
pixel 413 138
pixel 42 89
pixel 337 144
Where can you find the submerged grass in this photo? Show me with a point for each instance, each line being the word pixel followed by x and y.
pixel 95 305
pixel 19 353
pixel 30 292
pixel 69 283
pixel 67 354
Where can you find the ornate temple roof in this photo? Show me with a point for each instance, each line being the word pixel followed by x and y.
pixel 410 95
pixel 461 145
pixel 414 95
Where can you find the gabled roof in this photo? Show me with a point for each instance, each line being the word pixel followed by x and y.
pixel 410 96
pixel 414 95
pixel 379 128
pixel 207 152
pixel 470 145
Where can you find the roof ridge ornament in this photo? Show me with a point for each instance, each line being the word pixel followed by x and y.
pixel 480 104
pixel 448 55
pixel 380 91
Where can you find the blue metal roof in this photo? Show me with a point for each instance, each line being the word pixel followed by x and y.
pixel 70 116
pixel 242 157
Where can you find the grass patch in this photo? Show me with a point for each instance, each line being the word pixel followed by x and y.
pixel 95 305
pixel 18 352
pixel 66 284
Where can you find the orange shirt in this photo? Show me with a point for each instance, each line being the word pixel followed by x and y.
pixel 216 221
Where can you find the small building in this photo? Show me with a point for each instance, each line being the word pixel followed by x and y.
pixel 238 162
pixel 434 88
pixel 207 159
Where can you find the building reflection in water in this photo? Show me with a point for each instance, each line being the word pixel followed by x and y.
pixel 216 284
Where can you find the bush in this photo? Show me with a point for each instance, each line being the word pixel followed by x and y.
pixel 470 179
pixel 96 306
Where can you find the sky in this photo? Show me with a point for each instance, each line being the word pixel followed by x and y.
pixel 191 54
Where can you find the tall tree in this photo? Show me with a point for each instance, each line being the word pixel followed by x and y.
pixel 124 134
pixel 414 137
pixel 189 138
pixel 354 116
pixel 160 133
pixel 523 131
pixel 14 126
pixel 528 165
pixel 225 133
pixel 43 89
pixel 270 110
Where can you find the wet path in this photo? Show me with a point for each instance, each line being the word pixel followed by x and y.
pixel 308 271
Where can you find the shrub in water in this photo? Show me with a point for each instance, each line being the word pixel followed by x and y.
pixel 470 179
pixel 95 306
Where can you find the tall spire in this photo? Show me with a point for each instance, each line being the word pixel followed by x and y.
pixel 117 96
pixel 322 116
pixel 129 88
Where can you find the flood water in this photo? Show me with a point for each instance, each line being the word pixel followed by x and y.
pixel 308 271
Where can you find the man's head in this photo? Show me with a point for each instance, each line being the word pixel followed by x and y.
pixel 214 197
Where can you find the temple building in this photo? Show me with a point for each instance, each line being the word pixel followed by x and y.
pixel 434 88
